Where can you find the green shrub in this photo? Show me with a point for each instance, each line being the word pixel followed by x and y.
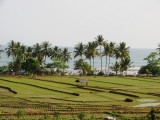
pixel 56 115
pixel 46 116
pixel 153 66
pixel 20 113
pixel 81 115
pixel 100 73
pixel 150 69
pixel 152 114
pixel 93 117
pixel 91 72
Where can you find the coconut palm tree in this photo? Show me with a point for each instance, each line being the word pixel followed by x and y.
pixel 11 49
pixel 100 41
pixel 23 52
pixel 56 53
pixel 125 64
pixel 111 52
pixel 87 52
pixel 116 67
pixel 66 55
pixel 46 49
pixel 94 51
pixel 29 51
pixel 78 64
pixel 106 53
pixel 17 64
pixel 37 52
pixel 18 48
pixel 79 50
pixel 122 51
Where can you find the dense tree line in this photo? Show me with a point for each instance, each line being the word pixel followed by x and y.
pixel 110 49
pixel 37 53
pixel 97 48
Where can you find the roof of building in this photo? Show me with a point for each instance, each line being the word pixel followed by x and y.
pixel 82 80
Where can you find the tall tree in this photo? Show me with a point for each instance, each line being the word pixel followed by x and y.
pixel 29 51
pixel 79 50
pixel 11 49
pixel 56 53
pixel 122 51
pixel 23 52
pixel 66 55
pixel 18 49
pixel 37 52
pixel 15 65
pixel 116 67
pixel 18 53
pixel 94 51
pixel 88 51
pixel 100 41
pixel 78 65
pixel 106 53
pixel 125 64
pixel 46 49
pixel 111 52
pixel 31 65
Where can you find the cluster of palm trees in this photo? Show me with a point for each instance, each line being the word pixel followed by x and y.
pixel 108 49
pixel 97 48
pixel 20 53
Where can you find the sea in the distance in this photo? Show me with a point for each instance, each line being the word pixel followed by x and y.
pixel 137 55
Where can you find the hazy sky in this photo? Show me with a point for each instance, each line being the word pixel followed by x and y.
pixel 67 22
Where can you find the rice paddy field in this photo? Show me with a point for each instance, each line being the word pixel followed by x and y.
pixel 60 95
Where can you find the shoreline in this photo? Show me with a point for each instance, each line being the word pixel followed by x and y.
pixel 130 71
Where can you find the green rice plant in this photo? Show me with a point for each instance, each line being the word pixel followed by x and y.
pixel 56 116
pixel 20 113
pixel 73 118
pixel 46 116
pixel 93 117
pixel 81 115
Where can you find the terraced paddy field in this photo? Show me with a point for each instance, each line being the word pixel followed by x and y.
pixel 54 95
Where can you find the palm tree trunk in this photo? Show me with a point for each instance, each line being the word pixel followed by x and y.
pixel 93 63
pixel 63 71
pixel 101 57
pixel 90 63
pixel 126 71
pixel 121 72
pixel 106 65
pixel 45 59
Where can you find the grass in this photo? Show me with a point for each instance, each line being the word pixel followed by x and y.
pixel 33 91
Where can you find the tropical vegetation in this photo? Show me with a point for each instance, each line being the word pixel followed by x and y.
pixel 153 65
pixel 42 52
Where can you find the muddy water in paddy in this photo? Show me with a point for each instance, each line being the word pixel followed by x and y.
pixel 147 105
pixel 150 104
